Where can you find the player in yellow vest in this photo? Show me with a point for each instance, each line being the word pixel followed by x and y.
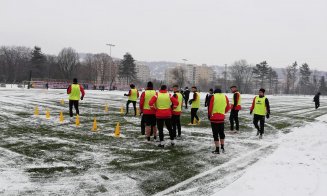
pixel 176 118
pixel 235 108
pixel 148 114
pixel 261 109
pixel 218 107
pixel 132 95
pixel 195 105
pixel 74 91
pixel 163 103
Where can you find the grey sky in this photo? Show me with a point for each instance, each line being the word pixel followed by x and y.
pixel 203 31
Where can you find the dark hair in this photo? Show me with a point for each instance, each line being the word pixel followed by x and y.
pixel 211 90
pixel 186 87
pixel 262 90
pixel 194 87
pixel 233 86
pixel 75 80
pixel 217 90
pixel 132 85
pixel 175 86
pixel 163 87
pixel 150 84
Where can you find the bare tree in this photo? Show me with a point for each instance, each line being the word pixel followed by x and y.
pixel 179 75
pixel 68 60
pixel 15 63
pixel 241 72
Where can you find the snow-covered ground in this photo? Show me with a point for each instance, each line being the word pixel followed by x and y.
pixel 297 167
pixel 43 157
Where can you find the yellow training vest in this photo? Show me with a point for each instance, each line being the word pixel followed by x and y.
pixel 219 104
pixel 75 93
pixel 133 96
pixel 148 94
pixel 180 101
pixel 239 99
pixel 260 106
pixel 196 103
pixel 163 101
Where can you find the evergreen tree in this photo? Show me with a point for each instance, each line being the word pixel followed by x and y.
pixel 127 68
pixel 38 62
pixel 261 72
pixel 305 74
pixel 322 88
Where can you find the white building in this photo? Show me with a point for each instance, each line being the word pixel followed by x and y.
pixel 142 72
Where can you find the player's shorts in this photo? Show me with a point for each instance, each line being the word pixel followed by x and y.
pixel 150 119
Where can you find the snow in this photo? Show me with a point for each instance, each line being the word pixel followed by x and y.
pixel 31 143
pixel 298 166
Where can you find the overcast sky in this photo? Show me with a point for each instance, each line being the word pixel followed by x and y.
pixel 202 31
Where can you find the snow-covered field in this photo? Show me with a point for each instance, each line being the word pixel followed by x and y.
pixel 42 156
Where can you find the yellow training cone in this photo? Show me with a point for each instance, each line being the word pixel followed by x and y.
pixel 47 114
pixel 122 110
pixel 106 108
pixel 36 111
pixel 117 130
pixel 61 117
pixel 62 102
pixel 137 111
pixel 95 127
pixel 77 120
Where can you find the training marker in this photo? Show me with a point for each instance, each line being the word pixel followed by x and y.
pixel 117 130
pixel 137 111
pixel 77 120
pixel 62 102
pixel 122 110
pixel 47 114
pixel 36 111
pixel 95 127
pixel 106 108
pixel 61 117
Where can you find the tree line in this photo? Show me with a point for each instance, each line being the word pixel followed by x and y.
pixel 18 64
pixel 297 79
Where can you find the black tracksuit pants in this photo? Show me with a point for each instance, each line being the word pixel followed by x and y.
pixel 176 123
pixel 218 129
pixel 194 115
pixel 317 104
pixel 234 117
pixel 71 104
pixel 134 105
pixel 160 126
pixel 256 119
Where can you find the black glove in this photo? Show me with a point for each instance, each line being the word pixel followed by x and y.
pixel 125 94
pixel 82 98
pixel 267 115
pixel 190 102
pixel 250 111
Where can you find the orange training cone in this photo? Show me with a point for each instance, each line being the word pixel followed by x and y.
pixel 47 114
pixel 61 117
pixel 95 127
pixel 77 123
pixel 36 111
pixel 106 108
pixel 117 130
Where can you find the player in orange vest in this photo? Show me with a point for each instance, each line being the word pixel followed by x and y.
pixel 219 105
pixel 163 103
pixel 235 108
pixel 148 114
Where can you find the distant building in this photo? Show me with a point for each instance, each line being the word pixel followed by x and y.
pixel 194 74
pixel 142 72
